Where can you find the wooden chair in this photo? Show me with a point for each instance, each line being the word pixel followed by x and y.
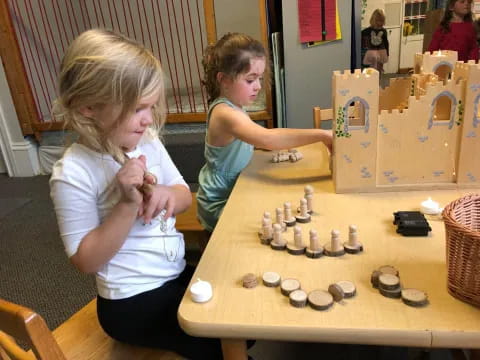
pixel 320 115
pixel 188 221
pixel 79 338
pixel 188 224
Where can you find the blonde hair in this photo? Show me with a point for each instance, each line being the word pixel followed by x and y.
pixel 99 68
pixel 377 15
pixel 231 55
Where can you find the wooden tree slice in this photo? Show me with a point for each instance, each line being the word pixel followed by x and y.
pixel 353 249
pixel 276 246
pixel 320 299
pixel 388 282
pixel 289 285
pixel 388 269
pixel 264 241
pixel 303 219
pixel 374 278
pixel 414 297
pixel 298 298
pixel 394 294
pixel 327 250
pixel 314 254
pixel 348 288
pixel 296 250
pixel 336 291
pixel 250 281
pixel 271 279
pixel 291 222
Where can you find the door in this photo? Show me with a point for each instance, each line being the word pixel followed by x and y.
pixel 394 36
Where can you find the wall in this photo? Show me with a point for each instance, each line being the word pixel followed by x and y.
pixel 308 71
pixel 238 16
pixel 3 167
pixel 20 154
pixel 170 29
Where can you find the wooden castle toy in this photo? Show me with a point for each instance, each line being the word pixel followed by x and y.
pixel 420 132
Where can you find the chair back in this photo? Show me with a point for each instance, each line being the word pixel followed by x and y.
pixel 320 115
pixel 18 323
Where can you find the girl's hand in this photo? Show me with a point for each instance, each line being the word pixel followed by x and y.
pixel 130 180
pixel 157 198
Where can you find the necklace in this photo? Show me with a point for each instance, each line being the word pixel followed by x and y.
pixel 170 254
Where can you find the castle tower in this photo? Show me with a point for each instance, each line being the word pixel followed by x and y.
pixel 439 62
pixel 468 171
pixel 355 107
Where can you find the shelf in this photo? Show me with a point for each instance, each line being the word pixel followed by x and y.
pixel 415 17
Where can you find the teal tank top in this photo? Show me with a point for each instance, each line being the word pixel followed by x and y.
pixel 217 177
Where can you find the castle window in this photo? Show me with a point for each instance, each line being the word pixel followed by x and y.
pixel 476 111
pixel 444 71
pixel 355 113
pixel 442 110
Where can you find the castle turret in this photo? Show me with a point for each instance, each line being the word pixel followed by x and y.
pixel 468 171
pixel 439 62
pixel 355 107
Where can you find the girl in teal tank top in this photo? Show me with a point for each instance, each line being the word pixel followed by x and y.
pixel 234 68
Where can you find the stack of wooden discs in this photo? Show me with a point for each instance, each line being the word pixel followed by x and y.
pixel 250 281
pixel 387 280
pixel 389 285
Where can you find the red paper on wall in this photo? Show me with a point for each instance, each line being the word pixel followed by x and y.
pixel 316 19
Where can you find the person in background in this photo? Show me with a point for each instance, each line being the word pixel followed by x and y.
pixel 457 31
pixel 375 42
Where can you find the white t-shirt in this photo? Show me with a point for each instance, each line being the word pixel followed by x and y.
pixel 84 191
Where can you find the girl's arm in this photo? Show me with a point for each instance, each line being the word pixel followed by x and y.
pixel 239 125
pixel 102 243
pixel 385 41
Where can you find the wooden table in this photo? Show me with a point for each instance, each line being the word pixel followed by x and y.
pixel 238 313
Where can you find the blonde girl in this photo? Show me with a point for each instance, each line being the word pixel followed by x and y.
pixel 235 68
pixel 375 42
pixel 116 192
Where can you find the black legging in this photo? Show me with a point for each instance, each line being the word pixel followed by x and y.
pixel 150 319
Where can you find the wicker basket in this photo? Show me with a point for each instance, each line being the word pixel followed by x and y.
pixel 462 229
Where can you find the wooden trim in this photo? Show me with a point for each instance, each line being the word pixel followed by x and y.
pixel 49 126
pixel 15 72
pixel 171 119
pixel 320 115
pixel 266 43
pixel 210 23
pixel 260 115
pixel 186 118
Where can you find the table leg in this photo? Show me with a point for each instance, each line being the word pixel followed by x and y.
pixel 234 349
